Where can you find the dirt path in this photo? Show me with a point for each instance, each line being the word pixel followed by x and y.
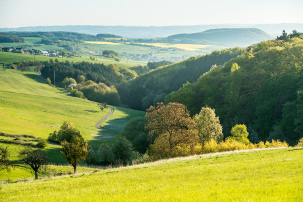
pixel 98 125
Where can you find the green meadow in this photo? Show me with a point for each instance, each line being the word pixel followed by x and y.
pixel 259 175
pixel 29 106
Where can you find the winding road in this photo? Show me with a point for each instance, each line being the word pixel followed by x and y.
pixel 98 125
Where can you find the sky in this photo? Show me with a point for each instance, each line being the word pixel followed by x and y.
pixel 21 13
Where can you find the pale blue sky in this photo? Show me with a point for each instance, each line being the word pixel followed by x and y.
pixel 21 13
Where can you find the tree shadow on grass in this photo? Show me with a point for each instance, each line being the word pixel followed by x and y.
pixel 35 77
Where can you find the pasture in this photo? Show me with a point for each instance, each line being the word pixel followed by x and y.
pixel 29 106
pixel 258 175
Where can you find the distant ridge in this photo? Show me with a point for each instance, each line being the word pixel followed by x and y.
pixel 223 37
pixel 158 31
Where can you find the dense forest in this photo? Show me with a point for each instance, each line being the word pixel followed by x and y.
pixel 63 35
pixel 262 88
pixel 152 87
pixel 4 38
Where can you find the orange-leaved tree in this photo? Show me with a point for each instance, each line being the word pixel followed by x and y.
pixel 173 130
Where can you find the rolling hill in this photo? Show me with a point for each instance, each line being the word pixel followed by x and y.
pixel 224 37
pixel 269 175
pixel 156 31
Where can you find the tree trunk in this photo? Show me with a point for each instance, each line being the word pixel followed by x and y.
pixel 75 169
pixel 36 175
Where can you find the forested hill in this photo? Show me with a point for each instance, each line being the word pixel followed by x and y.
pixel 152 87
pixel 65 35
pixel 262 88
pixel 223 37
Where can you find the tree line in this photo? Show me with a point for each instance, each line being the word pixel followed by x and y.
pixel 152 87
pixel 261 88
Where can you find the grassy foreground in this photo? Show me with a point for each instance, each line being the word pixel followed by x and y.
pixel 267 175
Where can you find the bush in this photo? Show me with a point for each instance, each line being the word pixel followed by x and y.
pixel 91 156
pixel 66 132
pixel 141 159
pixel 122 150
pixel 239 133
pixel 48 81
pixel 300 143
pixel 105 154
pixel 42 143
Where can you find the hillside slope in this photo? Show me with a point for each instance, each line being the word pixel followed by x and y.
pixel 223 37
pixel 270 175
pixel 29 106
pixel 262 88
pixel 152 87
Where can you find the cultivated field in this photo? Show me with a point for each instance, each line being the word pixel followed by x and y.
pixel 267 175
pixel 187 47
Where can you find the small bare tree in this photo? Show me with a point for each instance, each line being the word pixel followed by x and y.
pixel 4 161
pixel 34 158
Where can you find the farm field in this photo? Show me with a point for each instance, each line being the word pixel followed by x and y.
pixel 9 58
pixel 159 50
pixel 258 175
pixel 29 106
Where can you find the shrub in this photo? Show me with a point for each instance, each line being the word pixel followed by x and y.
pixel 122 150
pixel 91 155
pixel 141 159
pixel 300 143
pixel 261 145
pixel 66 132
pixel 105 154
pixel 239 133
pixel 48 81
pixel 42 143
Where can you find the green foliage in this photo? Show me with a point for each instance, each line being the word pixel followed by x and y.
pixel 80 78
pixel 42 144
pixel 300 143
pixel 239 133
pixel 262 93
pixel 208 125
pixel 105 154
pixel 74 151
pixel 110 53
pixel 48 81
pixel 10 39
pixel 136 132
pixel 34 158
pixel 152 87
pixel 66 82
pixel 5 163
pixel 66 133
pixel 122 150
pixel 91 155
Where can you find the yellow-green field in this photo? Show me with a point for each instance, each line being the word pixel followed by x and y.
pixel 102 42
pixel 267 175
pixel 187 47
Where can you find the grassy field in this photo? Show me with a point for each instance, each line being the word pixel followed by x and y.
pixel 29 106
pixel 267 175
pixel 187 47
pixel 9 58
pixel 160 50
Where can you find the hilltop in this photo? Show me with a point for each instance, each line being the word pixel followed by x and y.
pixel 155 31
pixel 224 37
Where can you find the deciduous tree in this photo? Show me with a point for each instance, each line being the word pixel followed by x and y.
pixel 173 127
pixel 208 125
pixel 74 151
pixel 4 161
pixel 34 158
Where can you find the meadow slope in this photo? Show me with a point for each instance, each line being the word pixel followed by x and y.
pixel 259 175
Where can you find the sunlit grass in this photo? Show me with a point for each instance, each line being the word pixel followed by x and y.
pixel 268 175
pixel 187 47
